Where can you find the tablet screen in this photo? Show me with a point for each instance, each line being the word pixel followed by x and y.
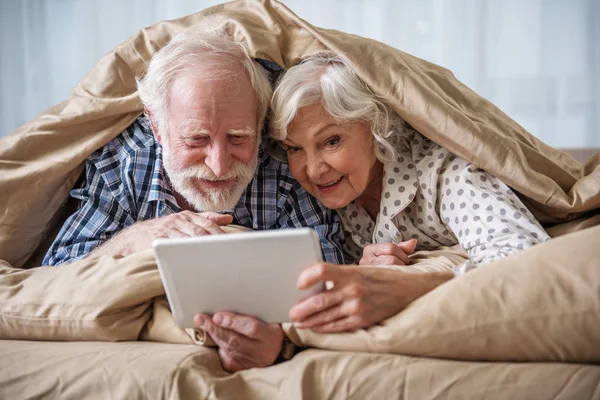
pixel 251 273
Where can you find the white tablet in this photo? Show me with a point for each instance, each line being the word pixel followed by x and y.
pixel 251 273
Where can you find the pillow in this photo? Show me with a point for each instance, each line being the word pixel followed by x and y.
pixel 95 299
pixel 542 304
pixel 98 298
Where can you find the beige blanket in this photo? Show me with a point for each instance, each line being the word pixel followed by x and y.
pixel 487 315
pixel 539 305
pixel 542 304
pixel 137 370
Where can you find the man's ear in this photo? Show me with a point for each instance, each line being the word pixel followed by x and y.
pixel 157 133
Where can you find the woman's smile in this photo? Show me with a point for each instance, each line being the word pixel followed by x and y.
pixel 330 187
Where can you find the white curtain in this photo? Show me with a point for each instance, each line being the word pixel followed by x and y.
pixel 538 60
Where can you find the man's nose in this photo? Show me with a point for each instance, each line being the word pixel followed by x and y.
pixel 218 159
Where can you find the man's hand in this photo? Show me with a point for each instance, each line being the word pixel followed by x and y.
pixel 388 253
pixel 244 342
pixel 139 236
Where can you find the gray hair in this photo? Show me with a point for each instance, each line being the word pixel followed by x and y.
pixel 215 54
pixel 330 80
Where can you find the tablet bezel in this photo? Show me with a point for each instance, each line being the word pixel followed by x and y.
pixel 224 276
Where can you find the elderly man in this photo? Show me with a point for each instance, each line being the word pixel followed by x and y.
pixel 197 151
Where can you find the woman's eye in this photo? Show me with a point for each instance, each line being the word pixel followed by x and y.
pixel 333 141
pixel 292 149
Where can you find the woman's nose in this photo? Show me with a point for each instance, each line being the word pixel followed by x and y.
pixel 316 167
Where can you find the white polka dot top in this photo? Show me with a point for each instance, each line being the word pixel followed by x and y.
pixel 433 196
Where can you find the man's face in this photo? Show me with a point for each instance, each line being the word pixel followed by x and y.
pixel 211 145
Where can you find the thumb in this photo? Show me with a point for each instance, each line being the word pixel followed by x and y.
pixel 408 246
pixel 220 219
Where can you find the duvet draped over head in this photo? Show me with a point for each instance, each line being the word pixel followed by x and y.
pixel 42 160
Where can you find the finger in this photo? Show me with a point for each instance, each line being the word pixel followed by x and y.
pixel 391 249
pixel 368 260
pixel 323 318
pixel 189 228
pixel 399 258
pixel 408 246
pixel 316 304
pixel 380 249
pixel 321 272
pixel 369 250
pixel 275 328
pixel 175 233
pixel 352 306
pixel 203 224
pixel 346 324
pixel 203 321
pixel 230 340
pixel 381 260
pixel 387 249
pixel 219 219
pixel 387 260
pixel 242 324
pixel 229 363
pixel 212 227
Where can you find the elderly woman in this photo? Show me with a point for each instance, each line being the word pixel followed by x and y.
pixel 393 189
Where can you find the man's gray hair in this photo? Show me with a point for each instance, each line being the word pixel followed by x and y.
pixel 215 54
pixel 330 81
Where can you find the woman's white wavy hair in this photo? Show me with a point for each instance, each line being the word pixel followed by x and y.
pixel 214 55
pixel 330 81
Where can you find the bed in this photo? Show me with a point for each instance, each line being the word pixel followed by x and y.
pixel 523 327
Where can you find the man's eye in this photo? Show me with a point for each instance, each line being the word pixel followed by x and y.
pixel 235 139
pixel 196 142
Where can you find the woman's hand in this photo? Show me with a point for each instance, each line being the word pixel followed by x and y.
pixel 361 296
pixel 388 253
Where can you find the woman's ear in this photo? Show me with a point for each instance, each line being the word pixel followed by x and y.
pixel 154 125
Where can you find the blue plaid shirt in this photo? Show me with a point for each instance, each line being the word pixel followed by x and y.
pixel 125 183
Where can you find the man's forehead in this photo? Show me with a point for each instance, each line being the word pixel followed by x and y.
pixel 224 82
pixel 208 98
pixel 198 105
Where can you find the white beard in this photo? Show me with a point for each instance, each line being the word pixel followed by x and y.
pixel 209 199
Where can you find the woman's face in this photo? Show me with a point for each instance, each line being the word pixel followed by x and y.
pixel 333 162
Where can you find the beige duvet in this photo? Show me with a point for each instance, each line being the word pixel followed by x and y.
pixel 542 305
pixel 137 370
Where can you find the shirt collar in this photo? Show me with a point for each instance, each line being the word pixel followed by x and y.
pixel 361 227
pixel 160 187
pixel 399 189
pixel 400 184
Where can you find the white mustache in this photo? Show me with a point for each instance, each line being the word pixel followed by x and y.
pixel 203 172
